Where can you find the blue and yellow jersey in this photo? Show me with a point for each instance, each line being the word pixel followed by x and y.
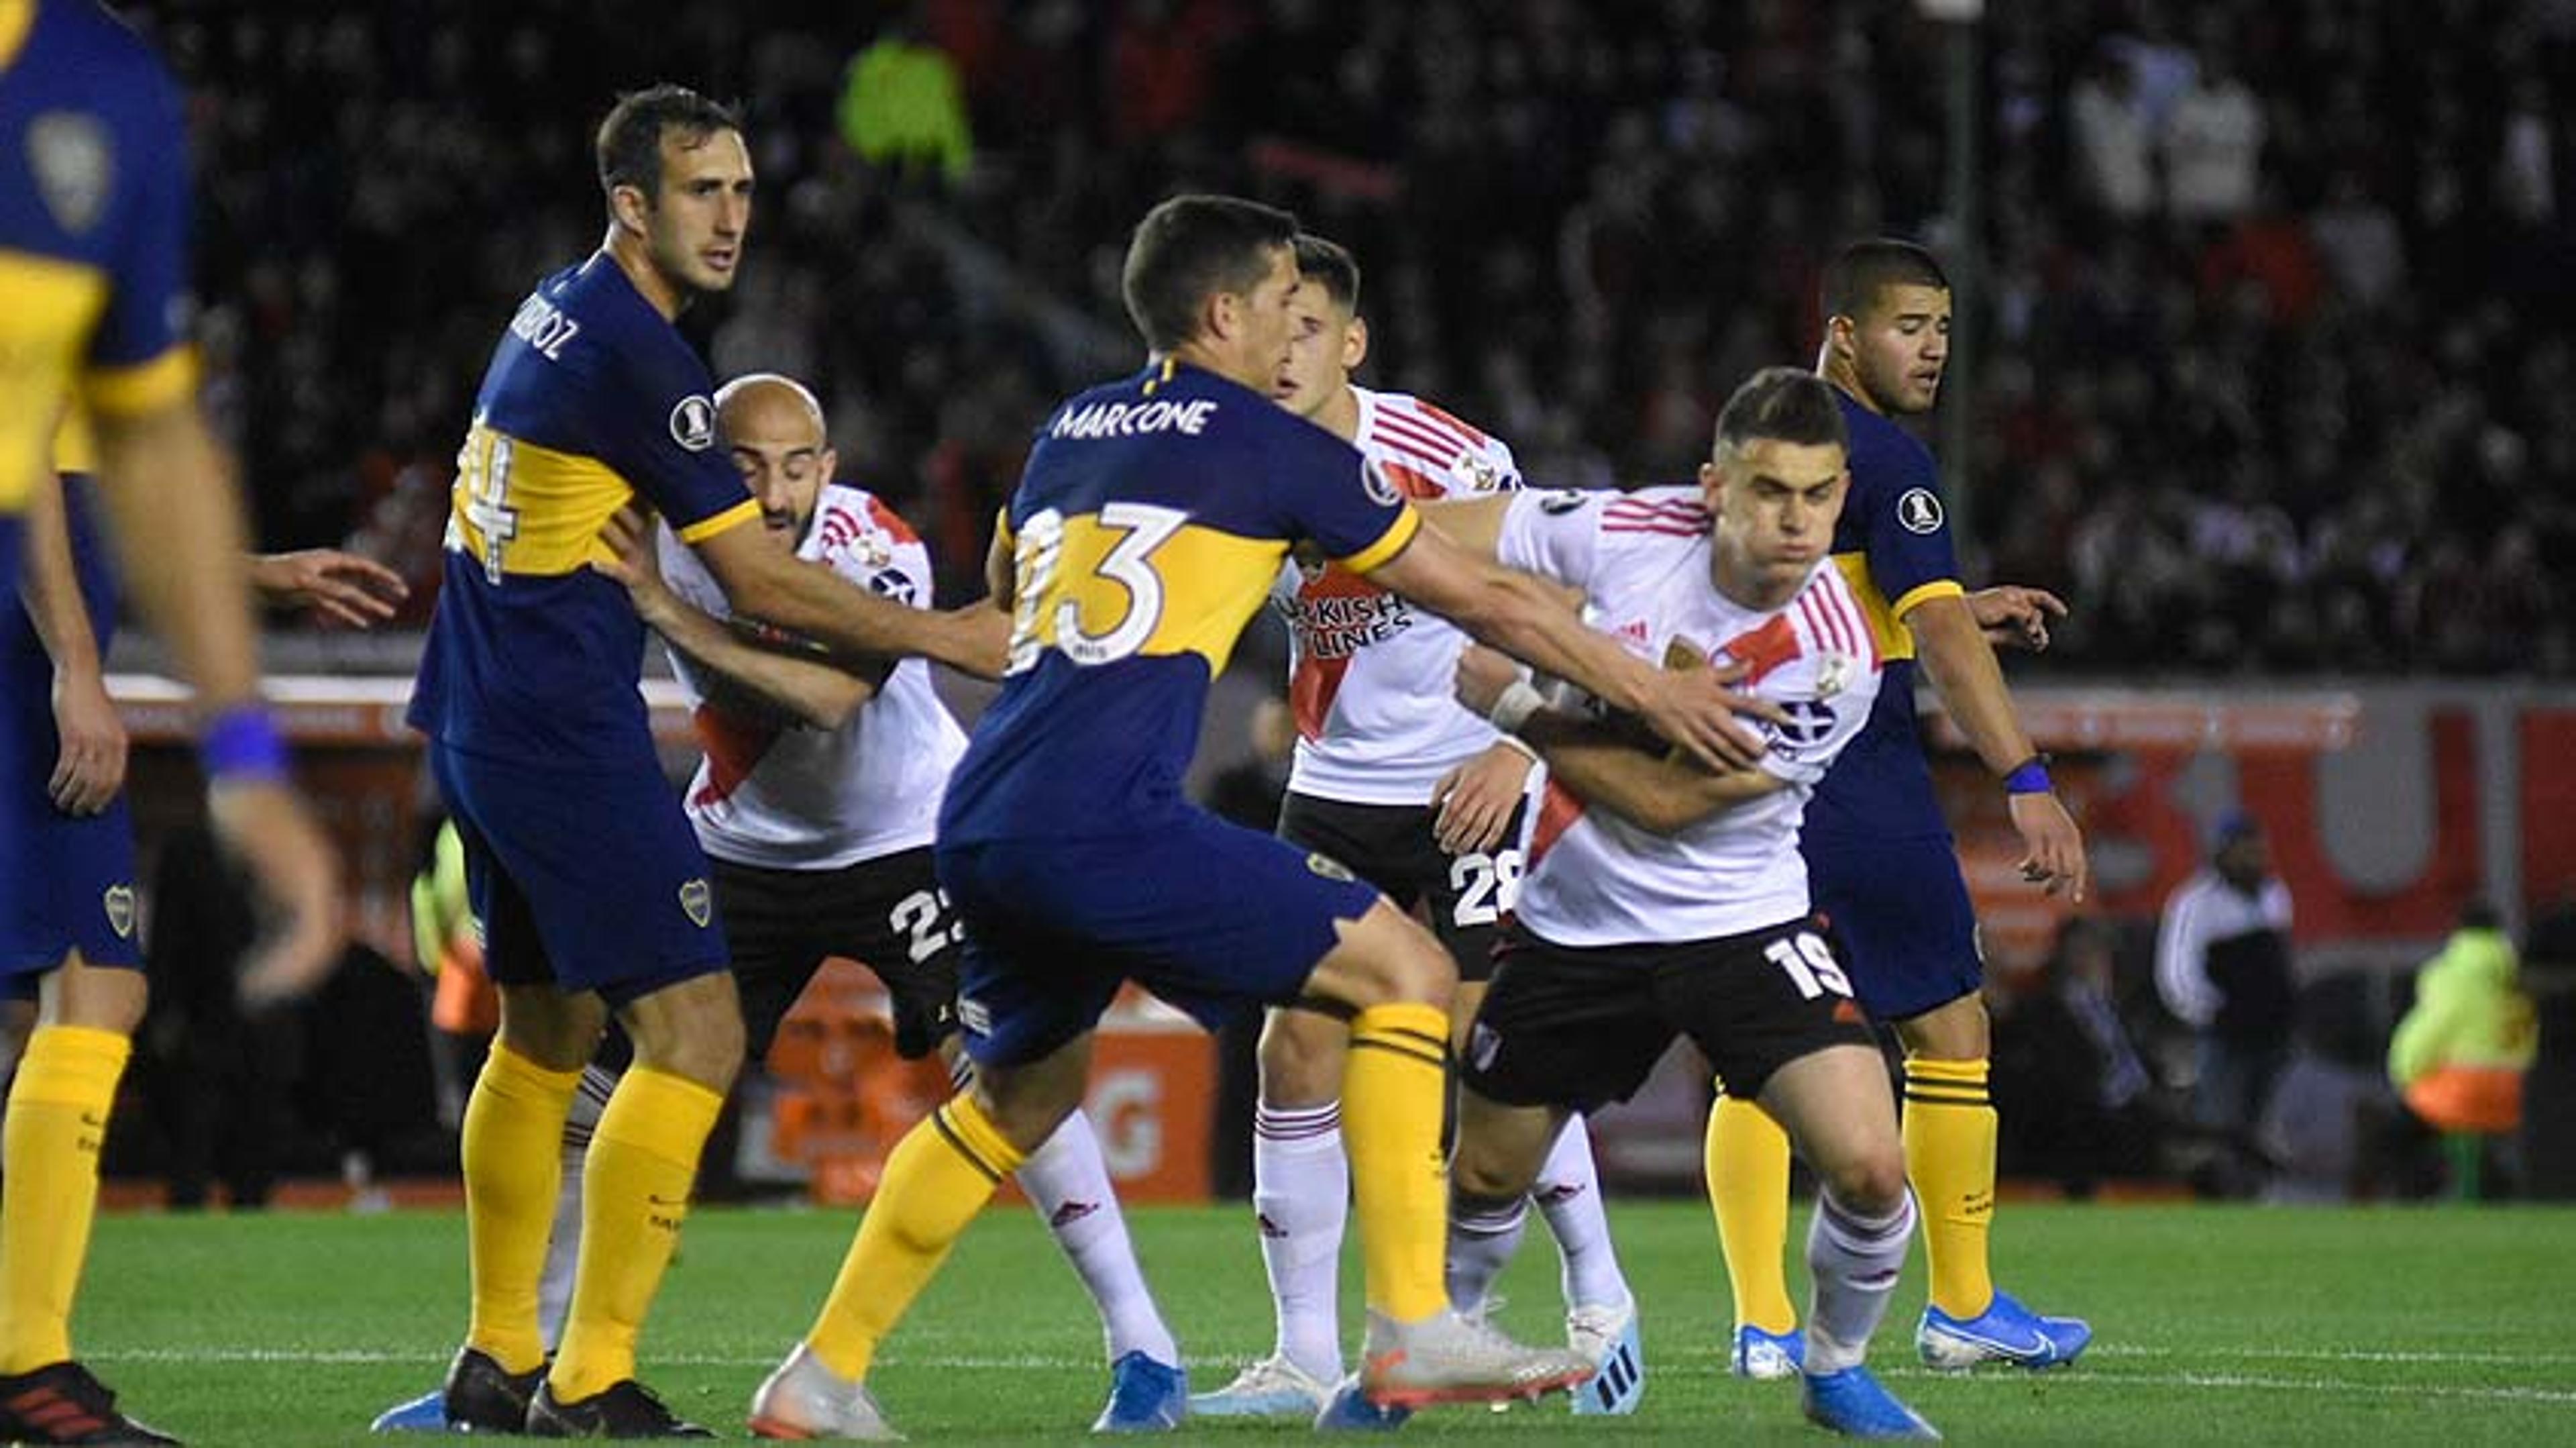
pixel 592 398
pixel 1147 529
pixel 1893 546
pixel 93 235
pixel 25 665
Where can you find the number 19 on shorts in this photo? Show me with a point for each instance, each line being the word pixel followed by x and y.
pixel 1809 964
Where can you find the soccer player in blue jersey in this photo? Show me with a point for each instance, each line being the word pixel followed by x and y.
pixel 1152 518
pixel 1880 855
pixel 93 267
pixel 588 879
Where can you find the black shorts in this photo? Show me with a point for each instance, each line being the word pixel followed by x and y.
pixel 887 914
pixel 1582 1027
pixel 1391 846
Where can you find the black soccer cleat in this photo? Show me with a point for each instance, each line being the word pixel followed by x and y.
pixel 624 1409
pixel 62 1403
pixel 483 1397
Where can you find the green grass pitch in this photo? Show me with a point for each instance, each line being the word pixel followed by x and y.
pixel 2215 1325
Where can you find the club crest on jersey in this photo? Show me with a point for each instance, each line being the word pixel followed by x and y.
pixel 698 902
pixel 118 901
pixel 1328 867
pixel 1479 471
pixel 693 422
pixel 1919 510
pixel 1833 674
pixel 74 166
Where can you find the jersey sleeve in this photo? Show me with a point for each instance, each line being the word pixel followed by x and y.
pixel 138 360
pixel 1555 534
pixel 1325 490
pixel 1911 555
pixel 667 448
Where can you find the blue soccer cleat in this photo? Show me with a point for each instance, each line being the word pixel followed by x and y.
pixel 1348 1410
pixel 1768 1357
pixel 1607 1337
pixel 2006 1332
pixel 1274 1387
pixel 1852 1403
pixel 1144 1397
pixel 424 1414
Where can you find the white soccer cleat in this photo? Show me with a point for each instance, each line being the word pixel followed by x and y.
pixel 1274 1387
pixel 1606 1337
pixel 804 1400
pixel 1447 1358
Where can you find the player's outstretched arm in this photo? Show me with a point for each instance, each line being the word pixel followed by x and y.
pixel 342 587
pixel 1962 666
pixel 765 583
pixel 1522 617
pixel 1662 794
pixel 176 519
pixel 805 690
pixel 89 768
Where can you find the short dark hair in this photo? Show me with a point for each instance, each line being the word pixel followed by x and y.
pixel 1783 404
pixel 629 146
pixel 1190 248
pixel 1861 270
pixel 1330 265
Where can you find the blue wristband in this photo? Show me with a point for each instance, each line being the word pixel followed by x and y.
pixel 2029 777
pixel 242 743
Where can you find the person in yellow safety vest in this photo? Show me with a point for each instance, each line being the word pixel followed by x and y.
pixel 903 107
pixel 448 945
pixel 2461 1051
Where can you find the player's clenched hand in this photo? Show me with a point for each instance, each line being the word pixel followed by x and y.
pixel 342 587
pixel 632 559
pixel 1695 709
pixel 91 767
pixel 977 639
pixel 1482 676
pixel 2053 847
pixel 2012 616
pixel 1474 802
pixel 266 824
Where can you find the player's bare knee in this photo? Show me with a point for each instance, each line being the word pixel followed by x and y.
pixel 1486 1180
pixel 1301 1057
pixel 1025 1111
pixel 1870 1183
pixel 1957 1031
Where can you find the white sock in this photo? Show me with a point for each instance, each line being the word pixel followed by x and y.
pixel 1069 1184
pixel 563 1249
pixel 1301 1196
pixel 1854 1261
pixel 1480 1242
pixel 1568 1192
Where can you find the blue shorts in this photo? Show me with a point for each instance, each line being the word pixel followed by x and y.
pixel 1900 910
pixel 71 883
pixel 1212 917
pixel 589 880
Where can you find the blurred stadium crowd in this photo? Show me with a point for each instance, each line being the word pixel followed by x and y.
pixel 2271 357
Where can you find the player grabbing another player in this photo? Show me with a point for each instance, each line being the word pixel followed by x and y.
pixel 1154 514
pixel 537 734
pixel 1664 899
pixel 1423 800
pixel 1881 858
pixel 94 267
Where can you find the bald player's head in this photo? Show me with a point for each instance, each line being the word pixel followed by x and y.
pixel 774 428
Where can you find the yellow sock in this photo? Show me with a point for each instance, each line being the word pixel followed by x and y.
pixel 1395 1084
pixel 1950 1157
pixel 940 1175
pixel 513 1158
pixel 634 1196
pixel 49 1151
pixel 1748 1189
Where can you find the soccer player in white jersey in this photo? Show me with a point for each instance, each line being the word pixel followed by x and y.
pixel 1662 899
pixel 1423 800
pixel 815 802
